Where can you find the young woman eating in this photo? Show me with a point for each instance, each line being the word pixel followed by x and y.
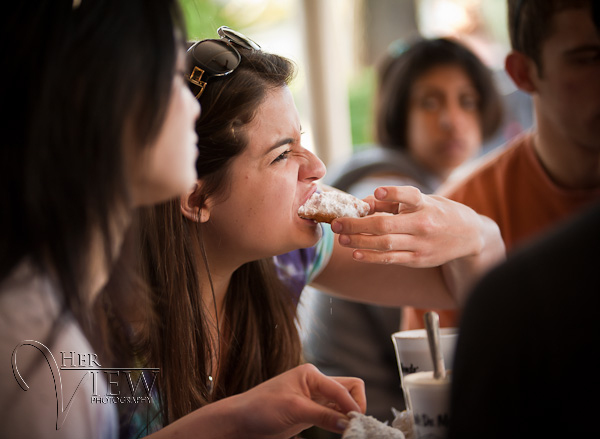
pixel 226 263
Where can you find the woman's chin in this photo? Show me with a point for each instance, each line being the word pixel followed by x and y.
pixel 313 238
pixel 307 237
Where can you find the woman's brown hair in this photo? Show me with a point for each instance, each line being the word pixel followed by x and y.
pixel 258 337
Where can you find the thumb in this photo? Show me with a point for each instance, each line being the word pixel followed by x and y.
pixel 327 418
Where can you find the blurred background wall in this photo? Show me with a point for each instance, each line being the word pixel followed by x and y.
pixel 337 43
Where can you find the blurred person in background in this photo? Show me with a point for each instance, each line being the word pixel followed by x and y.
pixel 436 103
pixel 553 171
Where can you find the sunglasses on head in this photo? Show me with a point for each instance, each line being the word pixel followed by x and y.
pixel 212 58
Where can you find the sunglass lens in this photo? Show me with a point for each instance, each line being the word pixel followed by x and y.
pixel 215 56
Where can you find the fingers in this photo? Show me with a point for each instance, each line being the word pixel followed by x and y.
pixel 383 206
pixel 379 224
pixel 356 387
pixel 336 397
pixel 348 393
pixel 393 199
pixel 408 195
pixel 313 413
pixel 381 241
pixel 401 249
pixel 329 419
pixel 387 199
pixel 372 203
pixel 393 248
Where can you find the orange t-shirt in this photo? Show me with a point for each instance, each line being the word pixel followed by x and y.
pixel 512 188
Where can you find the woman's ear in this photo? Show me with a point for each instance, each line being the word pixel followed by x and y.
pixel 192 205
pixel 522 70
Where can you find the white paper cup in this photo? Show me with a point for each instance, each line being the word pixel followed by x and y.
pixel 412 349
pixel 429 401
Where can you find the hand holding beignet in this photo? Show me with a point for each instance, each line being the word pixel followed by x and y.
pixel 324 207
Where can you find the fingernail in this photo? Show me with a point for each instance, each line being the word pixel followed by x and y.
pixel 336 227
pixel 358 255
pixel 344 239
pixel 342 423
pixel 380 193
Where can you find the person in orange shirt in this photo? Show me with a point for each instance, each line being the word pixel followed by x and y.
pixel 541 178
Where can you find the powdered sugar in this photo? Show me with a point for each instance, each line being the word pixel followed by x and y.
pixel 334 204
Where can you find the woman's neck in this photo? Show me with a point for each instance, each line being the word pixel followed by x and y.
pixel 217 265
pixel 99 262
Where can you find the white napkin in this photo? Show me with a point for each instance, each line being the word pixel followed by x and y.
pixel 367 427
pixel 404 421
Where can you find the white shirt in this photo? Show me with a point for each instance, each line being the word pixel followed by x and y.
pixel 30 310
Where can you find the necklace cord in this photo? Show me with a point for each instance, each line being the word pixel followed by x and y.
pixel 205 258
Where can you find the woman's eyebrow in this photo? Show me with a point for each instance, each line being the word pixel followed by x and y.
pixel 279 144
pixel 427 89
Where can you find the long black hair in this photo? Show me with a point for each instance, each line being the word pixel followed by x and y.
pixel 85 87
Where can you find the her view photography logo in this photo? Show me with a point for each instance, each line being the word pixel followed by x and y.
pixel 87 365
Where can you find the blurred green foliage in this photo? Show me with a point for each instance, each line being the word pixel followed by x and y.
pixel 203 17
pixel 361 90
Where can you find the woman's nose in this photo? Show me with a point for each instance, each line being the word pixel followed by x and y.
pixel 313 168
pixel 446 118
pixel 451 117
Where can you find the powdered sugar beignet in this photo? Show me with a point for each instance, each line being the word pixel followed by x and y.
pixel 324 207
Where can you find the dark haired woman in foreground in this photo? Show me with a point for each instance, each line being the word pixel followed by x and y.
pixel 101 122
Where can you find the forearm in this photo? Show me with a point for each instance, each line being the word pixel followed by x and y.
pixel 276 409
pixel 387 285
pixel 461 274
pixel 443 286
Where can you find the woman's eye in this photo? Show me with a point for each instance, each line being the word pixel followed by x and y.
pixel 282 156
pixel 429 103
pixel 469 102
